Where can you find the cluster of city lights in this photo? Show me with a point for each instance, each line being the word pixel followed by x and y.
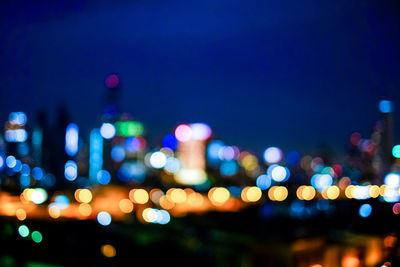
pixel 189 164
pixel 175 199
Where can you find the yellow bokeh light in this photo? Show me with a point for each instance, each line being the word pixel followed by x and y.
pixel 249 162
pixel 149 215
pixel 108 251
pixel 85 209
pixel 178 195
pixel 27 193
pixel 271 193
pixel 85 195
pixel 382 190
pixel 218 195
pixel 125 205
pixel 244 194
pixel 145 214
pixel 54 211
pixel 280 193
pixel 333 192
pixel 21 214
pixel 76 194
pixel 299 192
pixel 374 191
pixel 139 196
pixel 308 193
pixel 253 194
pixel 165 203
pixel 349 191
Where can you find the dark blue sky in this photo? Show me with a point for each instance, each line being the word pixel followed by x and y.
pixel 286 73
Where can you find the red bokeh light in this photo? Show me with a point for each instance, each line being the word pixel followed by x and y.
pixel 112 81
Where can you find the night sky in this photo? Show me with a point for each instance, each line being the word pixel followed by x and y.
pixel 290 73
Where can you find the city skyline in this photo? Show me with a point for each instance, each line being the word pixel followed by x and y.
pixel 295 84
pixel 200 133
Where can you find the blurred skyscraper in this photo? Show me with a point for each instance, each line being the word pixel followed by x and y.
pixel 387 142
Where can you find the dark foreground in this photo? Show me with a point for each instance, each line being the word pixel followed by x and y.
pixel 258 236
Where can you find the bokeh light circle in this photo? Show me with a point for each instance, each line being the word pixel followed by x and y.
pixel 107 130
pixel 104 218
pixel 183 133
pixel 365 210
pixel 272 155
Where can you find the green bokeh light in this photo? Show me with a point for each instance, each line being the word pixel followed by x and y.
pixel 37 236
pixel 129 128
pixel 396 151
pixel 23 230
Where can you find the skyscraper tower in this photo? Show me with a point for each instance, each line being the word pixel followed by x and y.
pixel 111 106
pixel 387 142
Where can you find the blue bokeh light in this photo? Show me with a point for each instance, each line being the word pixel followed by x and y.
pixel 170 141
pixel 163 217
pixel 104 218
pixel 71 170
pixel 386 106
pixel 118 153
pixel 132 144
pixel 11 161
pixel 25 170
pixel 37 173
pixel 71 139
pixel 18 118
pixel 365 210
pixel 103 177
pixel 229 168
pixel 213 151
pixel 1 162
pixel 321 181
pixel 18 166
pixel 264 181
pixel 61 202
